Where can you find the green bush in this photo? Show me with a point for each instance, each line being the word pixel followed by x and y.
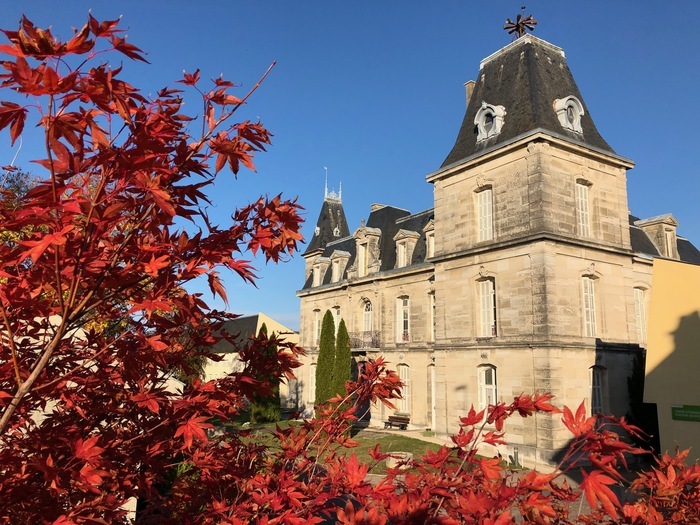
pixel 343 360
pixel 326 361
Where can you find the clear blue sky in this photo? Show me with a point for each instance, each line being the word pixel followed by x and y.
pixel 374 91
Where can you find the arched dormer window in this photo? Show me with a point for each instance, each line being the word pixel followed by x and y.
pixel 569 112
pixel 488 121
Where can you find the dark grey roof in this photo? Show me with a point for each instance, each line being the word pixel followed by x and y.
pixel 330 220
pixel 525 77
pixel 641 243
pixel 687 252
pixel 389 220
pixel 241 329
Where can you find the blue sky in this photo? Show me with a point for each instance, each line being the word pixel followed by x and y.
pixel 374 91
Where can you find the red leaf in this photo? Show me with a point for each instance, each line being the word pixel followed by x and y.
pixel 193 428
pixel 87 449
pixel 578 425
pixel 596 487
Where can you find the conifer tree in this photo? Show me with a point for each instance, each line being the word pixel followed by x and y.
pixel 343 360
pixel 326 360
pixel 266 408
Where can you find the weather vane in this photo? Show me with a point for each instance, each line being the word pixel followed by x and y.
pixel 521 25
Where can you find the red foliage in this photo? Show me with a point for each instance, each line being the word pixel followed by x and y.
pixel 94 317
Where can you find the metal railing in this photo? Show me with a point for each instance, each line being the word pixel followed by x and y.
pixel 365 339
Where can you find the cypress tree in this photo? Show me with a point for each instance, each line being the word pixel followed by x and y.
pixel 267 409
pixel 343 360
pixel 326 359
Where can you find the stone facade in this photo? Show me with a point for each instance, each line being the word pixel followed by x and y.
pixel 528 275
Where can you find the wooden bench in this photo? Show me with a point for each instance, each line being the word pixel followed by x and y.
pixel 397 421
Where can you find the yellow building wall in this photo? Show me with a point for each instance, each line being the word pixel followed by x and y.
pixel 673 353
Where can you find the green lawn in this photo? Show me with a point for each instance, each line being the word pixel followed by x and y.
pixel 368 439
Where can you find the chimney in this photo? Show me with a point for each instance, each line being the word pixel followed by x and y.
pixel 469 86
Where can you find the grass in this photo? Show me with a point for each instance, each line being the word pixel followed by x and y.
pixel 367 440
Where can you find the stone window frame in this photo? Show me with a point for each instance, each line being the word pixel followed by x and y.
pixel 599 389
pixel 336 317
pixel 318 321
pixel 589 300
pixel 486 390
pixel 312 383
pixel 582 201
pixel 489 121
pixel 405 245
pixel 431 316
pixel 339 262
pixel 429 231
pixel 488 306
pixel 403 405
pixel 403 319
pixel 485 212
pixel 367 316
pixel 367 260
pixel 320 267
pixel 569 111
pixel 641 295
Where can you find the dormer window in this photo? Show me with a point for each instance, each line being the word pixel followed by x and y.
pixel 489 121
pixel 569 112
pixel 336 232
pixel 405 244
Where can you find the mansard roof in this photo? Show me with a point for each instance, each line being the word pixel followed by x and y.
pixel 525 77
pixel 331 221
pixel 387 220
pixel 642 243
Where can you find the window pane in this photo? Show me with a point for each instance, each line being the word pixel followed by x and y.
pixel 485 213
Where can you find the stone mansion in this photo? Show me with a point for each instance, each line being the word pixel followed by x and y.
pixel 528 274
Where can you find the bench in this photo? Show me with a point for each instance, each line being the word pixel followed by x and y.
pixel 397 421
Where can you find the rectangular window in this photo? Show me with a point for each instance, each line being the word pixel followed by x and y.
pixel 335 275
pixel 404 404
pixel 403 334
pixel 487 297
pixel 670 242
pixel 367 318
pixel 488 387
pixel 317 276
pixel 362 260
pixel 583 216
pixel 401 255
pixel 640 315
pixel 589 320
pixel 312 383
pixel 597 389
pixel 317 327
pixel 431 314
pixel 430 241
pixel 485 211
pixel 336 313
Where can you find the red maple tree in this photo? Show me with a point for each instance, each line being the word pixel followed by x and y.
pixel 94 318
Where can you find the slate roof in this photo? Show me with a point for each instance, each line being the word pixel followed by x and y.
pixel 525 77
pixel 641 243
pixel 389 220
pixel 332 216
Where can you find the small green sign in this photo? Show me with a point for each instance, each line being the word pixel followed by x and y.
pixel 686 413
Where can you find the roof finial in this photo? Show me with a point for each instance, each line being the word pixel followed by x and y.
pixel 332 195
pixel 521 25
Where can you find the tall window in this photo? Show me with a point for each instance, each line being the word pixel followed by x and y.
pixel 670 243
pixel 403 326
pixel 404 404
pixel 488 386
pixel 312 383
pixel 335 274
pixel 430 242
pixel 487 308
pixel 597 389
pixel 367 317
pixel 431 315
pixel 317 327
pixel 485 211
pixel 401 255
pixel 589 319
pixel 362 259
pixel 583 216
pixel 336 314
pixel 640 314
pixel 316 276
